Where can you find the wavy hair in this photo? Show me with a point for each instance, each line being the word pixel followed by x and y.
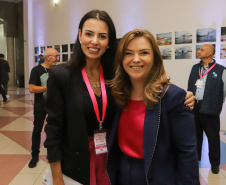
pixel 121 84
pixel 78 58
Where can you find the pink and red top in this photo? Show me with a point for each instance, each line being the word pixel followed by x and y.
pixel 131 129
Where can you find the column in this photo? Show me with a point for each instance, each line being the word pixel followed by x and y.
pixel 10 59
pixel 28 40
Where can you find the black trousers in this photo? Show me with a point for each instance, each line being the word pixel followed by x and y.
pixel 2 91
pixel 131 171
pixel 211 126
pixel 5 87
pixel 39 118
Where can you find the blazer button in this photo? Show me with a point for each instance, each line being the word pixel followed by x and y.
pixel 78 169
pixel 76 154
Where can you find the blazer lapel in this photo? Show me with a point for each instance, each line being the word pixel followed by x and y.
pixel 151 128
pixel 113 131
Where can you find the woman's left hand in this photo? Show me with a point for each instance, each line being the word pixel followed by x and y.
pixel 190 100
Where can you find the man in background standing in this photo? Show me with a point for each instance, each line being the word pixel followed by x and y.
pixel 41 59
pixel 5 69
pixel 207 81
pixel 37 85
pixel 2 92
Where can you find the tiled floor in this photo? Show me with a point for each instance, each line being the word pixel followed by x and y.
pixel 16 124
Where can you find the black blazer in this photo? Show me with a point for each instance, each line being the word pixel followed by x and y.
pixel 170 155
pixel 67 137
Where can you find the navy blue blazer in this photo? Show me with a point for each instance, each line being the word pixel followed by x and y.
pixel 170 155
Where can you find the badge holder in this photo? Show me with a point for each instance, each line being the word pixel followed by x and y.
pixel 100 140
pixel 199 83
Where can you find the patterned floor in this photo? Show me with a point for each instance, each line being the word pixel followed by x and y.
pixel 16 124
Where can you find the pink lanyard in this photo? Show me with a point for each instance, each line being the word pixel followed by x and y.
pixel 93 98
pixel 207 70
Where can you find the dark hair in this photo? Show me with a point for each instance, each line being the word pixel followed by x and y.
pixel 121 84
pixel 2 55
pixel 41 55
pixel 78 59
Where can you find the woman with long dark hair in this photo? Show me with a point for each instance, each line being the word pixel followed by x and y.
pixel 80 107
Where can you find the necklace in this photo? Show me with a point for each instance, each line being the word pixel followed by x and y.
pixel 96 84
pixel 93 83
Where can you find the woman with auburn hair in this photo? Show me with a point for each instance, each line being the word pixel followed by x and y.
pixel 152 139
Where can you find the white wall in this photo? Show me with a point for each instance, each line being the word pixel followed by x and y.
pixel 2 41
pixel 59 24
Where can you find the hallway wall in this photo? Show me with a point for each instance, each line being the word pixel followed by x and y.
pixel 12 41
pixel 2 40
pixel 54 25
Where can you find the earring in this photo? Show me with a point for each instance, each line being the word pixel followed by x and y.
pixel 80 42
pixel 107 47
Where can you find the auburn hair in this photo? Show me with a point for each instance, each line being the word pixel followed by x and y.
pixel 121 84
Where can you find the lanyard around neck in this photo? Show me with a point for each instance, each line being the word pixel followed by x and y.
pixel 93 98
pixel 207 70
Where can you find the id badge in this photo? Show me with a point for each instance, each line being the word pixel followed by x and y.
pixel 199 83
pixel 100 142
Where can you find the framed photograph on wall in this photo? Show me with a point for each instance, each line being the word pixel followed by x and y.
pixel 36 58
pixel 183 52
pixel 64 48
pixel 223 34
pixel 36 50
pixel 183 37
pixel 166 52
pixel 42 49
pixel 57 47
pixel 64 57
pixel 164 38
pixel 206 35
pixel 71 47
pixel 223 51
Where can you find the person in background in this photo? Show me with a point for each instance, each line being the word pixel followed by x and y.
pixel 5 69
pixel 207 82
pixel 152 139
pixel 80 105
pixel 1 89
pixel 41 59
pixel 38 85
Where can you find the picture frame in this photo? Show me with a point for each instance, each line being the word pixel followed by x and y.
pixel 183 37
pixel 206 35
pixel 183 52
pixel 164 39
